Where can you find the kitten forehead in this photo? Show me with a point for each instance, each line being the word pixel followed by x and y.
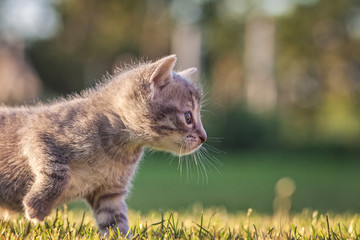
pixel 187 90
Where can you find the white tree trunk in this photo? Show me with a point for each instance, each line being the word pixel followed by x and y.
pixel 186 44
pixel 261 91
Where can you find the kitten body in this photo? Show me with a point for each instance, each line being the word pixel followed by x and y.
pixel 88 147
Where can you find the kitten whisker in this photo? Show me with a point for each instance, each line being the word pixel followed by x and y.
pixel 179 156
pixel 210 159
pixel 214 140
pixel 190 162
pixel 180 160
pixel 206 162
pixel 217 138
pixel 187 167
pixel 192 166
pixel 172 158
pixel 204 103
pixel 212 149
pixel 204 169
pixel 205 100
pixel 202 161
pixel 196 165
pixel 205 96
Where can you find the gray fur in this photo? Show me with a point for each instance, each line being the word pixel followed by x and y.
pixel 88 147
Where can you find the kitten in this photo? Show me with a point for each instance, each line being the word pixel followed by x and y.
pixel 88 147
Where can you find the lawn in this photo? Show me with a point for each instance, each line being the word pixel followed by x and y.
pixel 324 182
pixel 203 224
pixel 167 204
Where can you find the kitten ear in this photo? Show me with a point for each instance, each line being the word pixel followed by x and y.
pixel 163 70
pixel 187 72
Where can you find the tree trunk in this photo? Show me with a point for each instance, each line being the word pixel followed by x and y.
pixel 261 92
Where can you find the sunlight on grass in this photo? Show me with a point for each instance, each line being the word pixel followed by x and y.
pixel 198 223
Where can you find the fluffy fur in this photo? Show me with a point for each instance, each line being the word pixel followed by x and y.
pixel 88 147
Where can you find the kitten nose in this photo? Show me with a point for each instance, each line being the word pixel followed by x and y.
pixel 202 135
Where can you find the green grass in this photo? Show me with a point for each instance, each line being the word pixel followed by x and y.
pixel 324 181
pixel 217 208
pixel 196 224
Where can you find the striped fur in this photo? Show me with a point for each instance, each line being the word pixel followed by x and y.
pixel 88 147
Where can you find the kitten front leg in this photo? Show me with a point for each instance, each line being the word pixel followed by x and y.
pixel 49 161
pixel 45 191
pixel 110 211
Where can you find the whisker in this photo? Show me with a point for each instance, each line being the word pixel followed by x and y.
pixel 180 162
pixel 187 166
pixel 172 157
pixel 210 159
pixel 208 162
pixel 220 138
pixel 197 167
pixel 214 140
pixel 200 163
pixel 212 149
pixel 207 111
pixel 204 170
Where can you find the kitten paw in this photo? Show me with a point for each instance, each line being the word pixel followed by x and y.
pixel 33 220
pixel 35 209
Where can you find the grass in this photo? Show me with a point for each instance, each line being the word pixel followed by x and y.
pixel 195 224
pixel 324 181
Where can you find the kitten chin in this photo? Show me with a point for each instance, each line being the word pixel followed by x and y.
pixel 179 146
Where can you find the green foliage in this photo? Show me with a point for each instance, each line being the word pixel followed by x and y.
pixel 94 37
pixel 240 129
pixel 208 224
pixel 316 63
pixel 317 73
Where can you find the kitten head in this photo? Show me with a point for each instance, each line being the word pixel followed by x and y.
pixel 163 107
pixel 175 109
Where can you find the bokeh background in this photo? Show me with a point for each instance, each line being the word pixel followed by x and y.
pixel 282 84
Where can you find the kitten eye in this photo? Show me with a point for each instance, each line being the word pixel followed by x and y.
pixel 188 117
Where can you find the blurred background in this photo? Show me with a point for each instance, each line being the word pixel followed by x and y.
pixel 281 77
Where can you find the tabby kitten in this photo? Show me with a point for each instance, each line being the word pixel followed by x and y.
pixel 90 145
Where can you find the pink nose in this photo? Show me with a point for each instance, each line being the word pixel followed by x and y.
pixel 202 135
